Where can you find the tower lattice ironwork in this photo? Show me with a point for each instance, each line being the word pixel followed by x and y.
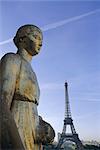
pixel 73 136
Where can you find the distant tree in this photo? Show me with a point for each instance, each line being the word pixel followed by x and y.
pixel 91 147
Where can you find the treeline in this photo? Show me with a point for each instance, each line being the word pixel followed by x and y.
pixel 91 147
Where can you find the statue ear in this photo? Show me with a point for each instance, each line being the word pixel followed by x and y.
pixel 22 39
pixel 15 41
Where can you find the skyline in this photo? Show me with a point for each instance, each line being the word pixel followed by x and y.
pixel 70 52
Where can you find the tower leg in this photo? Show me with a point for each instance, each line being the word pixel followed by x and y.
pixel 73 129
pixel 79 145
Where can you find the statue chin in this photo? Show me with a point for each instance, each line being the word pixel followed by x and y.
pixel 35 52
pixel 46 132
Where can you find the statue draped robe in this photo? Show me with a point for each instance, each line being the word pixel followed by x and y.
pixel 20 90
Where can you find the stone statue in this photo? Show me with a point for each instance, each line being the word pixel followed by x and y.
pixel 46 131
pixel 19 91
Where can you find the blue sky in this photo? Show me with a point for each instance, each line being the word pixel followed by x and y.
pixel 70 52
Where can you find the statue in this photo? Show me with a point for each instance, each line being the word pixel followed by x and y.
pixel 46 131
pixel 19 92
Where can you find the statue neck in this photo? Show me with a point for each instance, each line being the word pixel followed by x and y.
pixel 24 54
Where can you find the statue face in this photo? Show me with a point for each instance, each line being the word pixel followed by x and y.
pixel 33 42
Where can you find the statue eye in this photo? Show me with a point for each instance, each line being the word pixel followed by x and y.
pixel 35 36
pixel 38 38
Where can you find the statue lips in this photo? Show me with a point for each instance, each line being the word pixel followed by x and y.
pixel 38 48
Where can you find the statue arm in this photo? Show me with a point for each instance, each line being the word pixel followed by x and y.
pixel 9 66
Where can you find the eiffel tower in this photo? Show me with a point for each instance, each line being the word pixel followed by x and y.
pixel 73 136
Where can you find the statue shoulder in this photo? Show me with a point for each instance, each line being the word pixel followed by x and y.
pixel 11 58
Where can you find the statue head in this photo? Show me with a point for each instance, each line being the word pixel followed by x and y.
pixel 29 37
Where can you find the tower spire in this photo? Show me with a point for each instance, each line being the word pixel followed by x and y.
pixel 68 121
pixel 67 105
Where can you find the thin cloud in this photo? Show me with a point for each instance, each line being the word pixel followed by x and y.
pixel 60 23
pixel 6 41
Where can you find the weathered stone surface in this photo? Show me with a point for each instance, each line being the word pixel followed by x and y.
pixel 46 132
pixel 9 136
pixel 19 95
